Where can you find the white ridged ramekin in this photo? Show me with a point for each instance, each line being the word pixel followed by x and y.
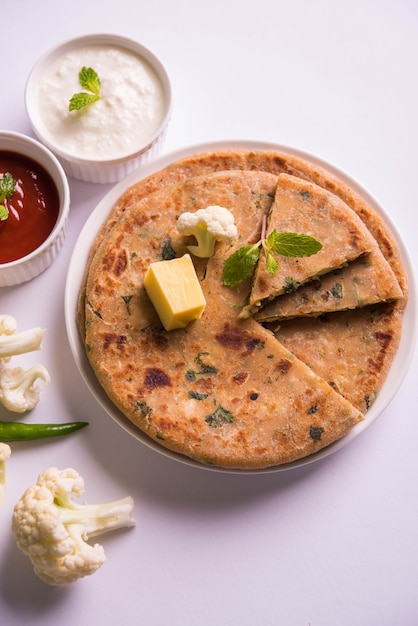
pixel 103 170
pixel 29 266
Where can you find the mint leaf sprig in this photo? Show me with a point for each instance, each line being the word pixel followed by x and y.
pixel 90 81
pixel 7 187
pixel 243 261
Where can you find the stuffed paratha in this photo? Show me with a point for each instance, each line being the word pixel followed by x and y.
pixel 221 391
pixel 290 334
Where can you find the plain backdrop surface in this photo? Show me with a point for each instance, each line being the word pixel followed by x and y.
pixel 331 544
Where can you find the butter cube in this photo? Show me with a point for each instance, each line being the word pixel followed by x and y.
pixel 175 291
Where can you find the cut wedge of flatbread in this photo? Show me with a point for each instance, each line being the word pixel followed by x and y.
pixel 305 208
pixel 366 280
pixel 351 350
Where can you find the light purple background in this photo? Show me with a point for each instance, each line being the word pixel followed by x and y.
pixel 333 543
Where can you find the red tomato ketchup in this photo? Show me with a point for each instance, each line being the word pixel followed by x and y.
pixel 33 207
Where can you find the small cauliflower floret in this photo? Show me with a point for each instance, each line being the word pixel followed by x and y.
pixel 215 223
pixel 12 343
pixel 4 455
pixel 8 325
pixel 18 389
pixel 52 529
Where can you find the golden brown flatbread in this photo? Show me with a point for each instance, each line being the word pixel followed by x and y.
pixel 221 391
pixel 121 330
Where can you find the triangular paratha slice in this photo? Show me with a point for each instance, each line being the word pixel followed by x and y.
pixel 305 208
pixel 366 280
pixel 351 350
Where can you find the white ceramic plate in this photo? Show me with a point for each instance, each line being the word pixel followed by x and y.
pixel 75 276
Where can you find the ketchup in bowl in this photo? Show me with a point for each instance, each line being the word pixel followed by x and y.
pixel 33 207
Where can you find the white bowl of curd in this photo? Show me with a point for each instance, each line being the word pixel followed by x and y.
pixel 121 102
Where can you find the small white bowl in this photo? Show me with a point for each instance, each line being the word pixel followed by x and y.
pixel 32 264
pixel 77 162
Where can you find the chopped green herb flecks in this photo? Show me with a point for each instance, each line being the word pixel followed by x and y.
pixel 305 193
pixel 90 81
pixel 204 367
pixel 219 417
pixel 337 291
pixel 369 399
pixel 143 408
pixel 167 250
pixel 316 432
pixel 127 300
pixel 313 409
pixel 195 395
pixel 190 376
pixel 290 285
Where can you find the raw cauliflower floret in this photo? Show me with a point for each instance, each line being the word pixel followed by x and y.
pixel 209 225
pixel 5 452
pixel 52 529
pixel 18 389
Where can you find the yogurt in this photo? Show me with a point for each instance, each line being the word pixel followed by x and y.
pixel 123 121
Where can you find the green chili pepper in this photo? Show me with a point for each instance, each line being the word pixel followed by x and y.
pixel 18 431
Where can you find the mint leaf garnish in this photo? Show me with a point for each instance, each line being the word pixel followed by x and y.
pixel 7 187
pixel 271 263
pixel 82 99
pixel 293 244
pixel 89 80
pixel 242 262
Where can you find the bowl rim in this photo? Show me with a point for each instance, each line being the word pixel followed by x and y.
pixel 61 182
pixel 104 38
